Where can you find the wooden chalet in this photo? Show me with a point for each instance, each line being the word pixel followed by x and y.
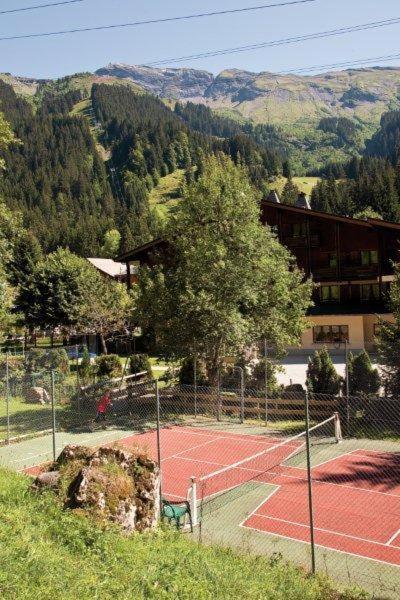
pixel 350 261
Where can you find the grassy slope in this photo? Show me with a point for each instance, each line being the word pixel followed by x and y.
pixel 163 197
pixel 305 184
pixel 49 553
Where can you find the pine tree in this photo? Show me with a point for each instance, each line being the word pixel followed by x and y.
pixel 322 377
pixel 364 380
pixel 290 192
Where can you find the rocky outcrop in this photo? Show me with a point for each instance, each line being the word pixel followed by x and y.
pixel 110 483
pixel 37 395
pixel 168 83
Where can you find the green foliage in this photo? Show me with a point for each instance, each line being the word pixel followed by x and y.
pixel 139 363
pixel 290 192
pixel 47 551
pixel 186 372
pixel 322 377
pixel 227 280
pixel 85 367
pixel 55 175
pixel 108 366
pixel 65 290
pixel 58 290
pixel 112 241
pixel 257 378
pixel 388 341
pixel 385 143
pixel 364 380
pixel 367 213
pixel 55 359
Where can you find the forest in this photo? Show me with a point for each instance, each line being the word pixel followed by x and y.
pixel 76 176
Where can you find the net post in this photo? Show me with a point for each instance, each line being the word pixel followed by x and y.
pixel 309 481
pixel 338 428
pixel 193 500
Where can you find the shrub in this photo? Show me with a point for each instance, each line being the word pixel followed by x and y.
pixel 15 366
pixel 139 363
pixel 108 366
pixel 257 380
pixel 186 373
pixel 55 359
pixel 85 368
pixel 364 380
pixel 322 377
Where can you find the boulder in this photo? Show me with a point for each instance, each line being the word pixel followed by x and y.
pixel 110 482
pixel 37 395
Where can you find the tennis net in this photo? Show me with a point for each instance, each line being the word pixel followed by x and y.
pixel 212 490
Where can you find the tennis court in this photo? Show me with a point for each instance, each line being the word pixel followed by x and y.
pixel 355 511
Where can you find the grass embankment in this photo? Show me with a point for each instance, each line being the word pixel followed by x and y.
pixel 46 552
pixel 305 184
pixel 165 196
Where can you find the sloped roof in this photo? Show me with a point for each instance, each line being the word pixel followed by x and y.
pixel 108 266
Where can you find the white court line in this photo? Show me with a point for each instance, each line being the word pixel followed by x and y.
pixel 253 512
pixel 325 462
pixel 329 531
pixel 394 536
pixel 221 435
pixel 178 454
pixel 30 456
pixel 286 476
pixel 288 537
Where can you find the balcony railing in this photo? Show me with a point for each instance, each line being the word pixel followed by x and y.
pixel 300 241
pixel 346 272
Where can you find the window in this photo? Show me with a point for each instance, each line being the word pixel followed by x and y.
pixel 332 260
pixel 330 334
pixel 299 229
pixel 369 257
pixel 369 292
pixel 330 293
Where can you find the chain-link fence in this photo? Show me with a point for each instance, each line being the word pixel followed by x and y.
pixel 314 479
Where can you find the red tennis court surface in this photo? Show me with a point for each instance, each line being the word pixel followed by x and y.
pixel 356 495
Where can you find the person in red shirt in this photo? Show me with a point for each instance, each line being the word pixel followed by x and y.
pixel 102 406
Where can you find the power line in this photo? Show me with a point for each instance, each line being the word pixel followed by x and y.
pixel 26 8
pixel 349 63
pixel 149 21
pixel 281 42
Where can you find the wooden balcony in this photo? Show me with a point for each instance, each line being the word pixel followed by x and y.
pixel 301 241
pixel 349 272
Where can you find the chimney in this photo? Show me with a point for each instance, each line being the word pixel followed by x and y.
pixel 302 201
pixel 273 197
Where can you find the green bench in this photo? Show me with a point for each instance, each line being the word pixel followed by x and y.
pixel 178 512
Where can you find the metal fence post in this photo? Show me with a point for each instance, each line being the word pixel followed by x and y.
pixel 309 478
pixel 195 384
pixel 8 398
pixel 241 394
pixel 219 407
pixel 159 440
pixel 53 413
pixel 266 380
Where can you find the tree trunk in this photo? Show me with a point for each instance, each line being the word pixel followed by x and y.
pixel 103 344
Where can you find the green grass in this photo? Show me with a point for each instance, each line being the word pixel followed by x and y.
pixel 50 553
pixel 165 196
pixel 305 184
pixel 25 418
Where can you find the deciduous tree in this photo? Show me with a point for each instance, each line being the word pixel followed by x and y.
pixel 227 280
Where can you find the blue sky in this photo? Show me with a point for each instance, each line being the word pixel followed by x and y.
pixel 66 54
